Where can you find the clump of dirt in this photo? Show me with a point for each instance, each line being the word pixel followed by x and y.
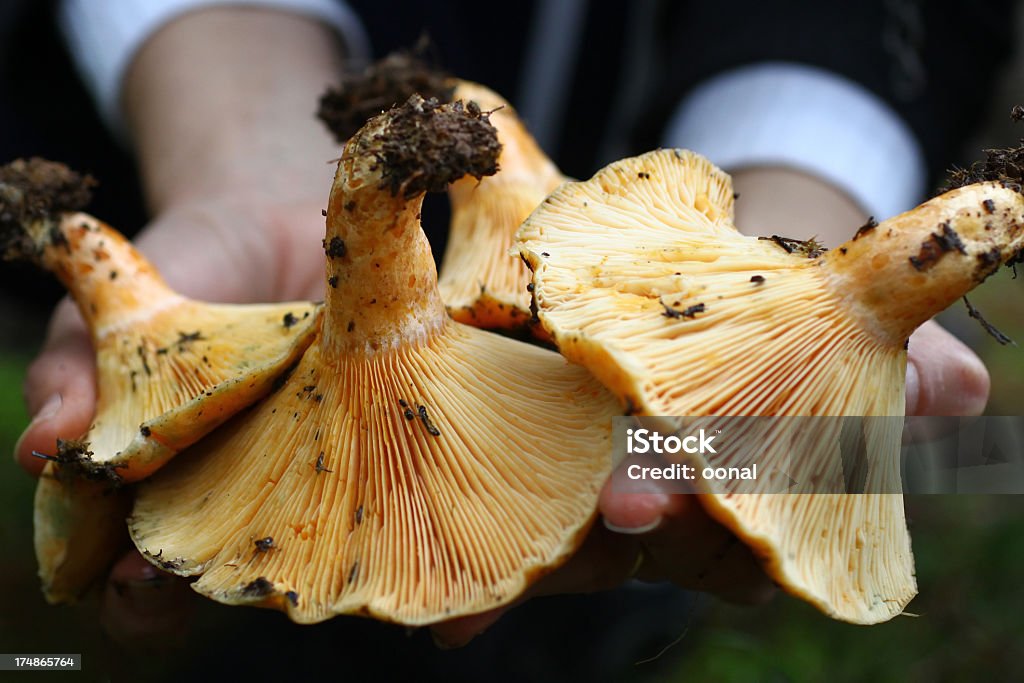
pixel 361 96
pixel 428 145
pixel 33 190
pixel 1005 166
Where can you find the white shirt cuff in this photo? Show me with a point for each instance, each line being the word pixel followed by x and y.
pixel 104 36
pixel 810 120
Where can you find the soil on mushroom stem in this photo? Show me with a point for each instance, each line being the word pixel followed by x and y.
pixel 411 160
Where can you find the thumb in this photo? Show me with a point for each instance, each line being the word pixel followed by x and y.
pixel 944 376
pixel 60 388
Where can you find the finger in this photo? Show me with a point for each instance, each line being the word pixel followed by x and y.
pixel 60 389
pixel 145 607
pixel 944 377
pixel 639 509
pixel 680 542
pixel 694 551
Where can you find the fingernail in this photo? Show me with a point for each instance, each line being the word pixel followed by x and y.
pixel 632 530
pixel 654 488
pixel 51 406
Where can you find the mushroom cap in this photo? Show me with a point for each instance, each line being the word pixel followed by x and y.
pixel 481 283
pixel 401 471
pixel 78 526
pixel 640 276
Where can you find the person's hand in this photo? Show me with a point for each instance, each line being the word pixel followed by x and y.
pixel 220 107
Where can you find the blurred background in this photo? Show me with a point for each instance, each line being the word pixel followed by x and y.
pixel 967 622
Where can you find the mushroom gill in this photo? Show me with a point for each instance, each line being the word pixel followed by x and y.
pixel 640 276
pixel 411 468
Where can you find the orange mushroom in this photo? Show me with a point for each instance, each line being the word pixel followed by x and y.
pixel 481 283
pixel 169 369
pixel 640 276
pixel 411 468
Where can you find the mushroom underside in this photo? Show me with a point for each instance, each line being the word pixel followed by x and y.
pixel 414 485
pixel 640 276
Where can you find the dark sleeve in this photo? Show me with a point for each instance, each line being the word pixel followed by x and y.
pixel 935 63
pixel 469 39
pixel 46 111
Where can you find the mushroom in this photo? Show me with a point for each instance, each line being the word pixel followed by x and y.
pixel 78 528
pixel 481 283
pixel 640 276
pixel 169 369
pixel 411 468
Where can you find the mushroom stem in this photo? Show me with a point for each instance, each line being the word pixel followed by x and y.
pixel 110 281
pixel 106 276
pixel 896 275
pixel 383 283
pixel 368 307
